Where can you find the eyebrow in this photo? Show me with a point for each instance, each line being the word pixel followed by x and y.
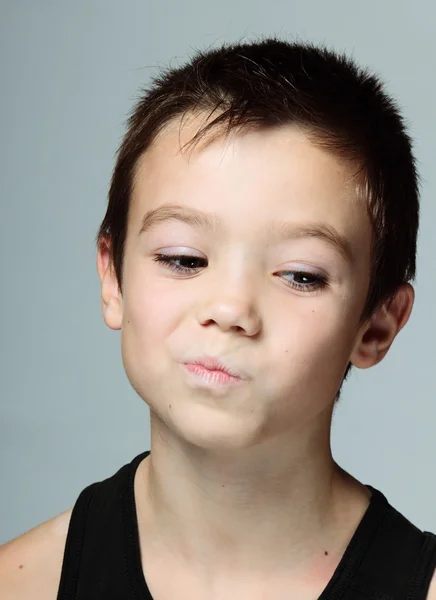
pixel 281 231
pixel 184 214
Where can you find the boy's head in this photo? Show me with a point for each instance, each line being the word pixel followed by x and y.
pixel 297 206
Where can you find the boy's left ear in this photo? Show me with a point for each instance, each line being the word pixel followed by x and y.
pixel 378 333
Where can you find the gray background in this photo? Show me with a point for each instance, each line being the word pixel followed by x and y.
pixel 70 72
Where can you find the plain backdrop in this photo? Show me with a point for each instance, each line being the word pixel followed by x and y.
pixel 70 72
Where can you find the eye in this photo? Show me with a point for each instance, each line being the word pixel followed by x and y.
pixel 181 263
pixel 189 264
pixel 304 281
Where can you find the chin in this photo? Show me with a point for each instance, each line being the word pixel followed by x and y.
pixel 216 430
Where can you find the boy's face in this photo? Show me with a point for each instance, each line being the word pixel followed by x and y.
pixel 242 298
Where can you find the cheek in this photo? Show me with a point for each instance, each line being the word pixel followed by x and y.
pixel 143 335
pixel 312 345
pixel 149 310
pixel 147 317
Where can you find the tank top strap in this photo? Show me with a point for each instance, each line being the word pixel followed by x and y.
pixel 74 544
pixel 425 568
pixel 399 562
pixel 94 562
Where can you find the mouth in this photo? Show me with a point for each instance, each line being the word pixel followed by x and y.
pixel 211 372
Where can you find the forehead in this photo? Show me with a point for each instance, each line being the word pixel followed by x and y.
pixel 252 178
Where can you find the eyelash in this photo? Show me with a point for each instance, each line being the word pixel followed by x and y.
pixel 170 261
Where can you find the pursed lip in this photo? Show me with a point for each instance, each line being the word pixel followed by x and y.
pixel 215 364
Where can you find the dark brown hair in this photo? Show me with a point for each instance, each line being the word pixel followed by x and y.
pixel 272 82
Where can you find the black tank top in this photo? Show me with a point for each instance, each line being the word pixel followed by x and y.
pixel 388 558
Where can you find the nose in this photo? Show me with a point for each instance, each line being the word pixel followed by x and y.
pixel 231 307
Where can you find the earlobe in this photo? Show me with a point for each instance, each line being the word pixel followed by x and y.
pixel 110 293
pixel 377 334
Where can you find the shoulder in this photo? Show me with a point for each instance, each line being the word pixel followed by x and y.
pixel 31 564
pixel 432 590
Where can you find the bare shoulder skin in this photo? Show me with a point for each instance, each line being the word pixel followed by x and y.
pixel 31 564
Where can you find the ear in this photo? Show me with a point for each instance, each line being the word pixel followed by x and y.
pixel 378 333
pixel 112 306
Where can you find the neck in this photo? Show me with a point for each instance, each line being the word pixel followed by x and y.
pixel 282 506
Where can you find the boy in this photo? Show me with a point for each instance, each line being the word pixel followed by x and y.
pixel 247 277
